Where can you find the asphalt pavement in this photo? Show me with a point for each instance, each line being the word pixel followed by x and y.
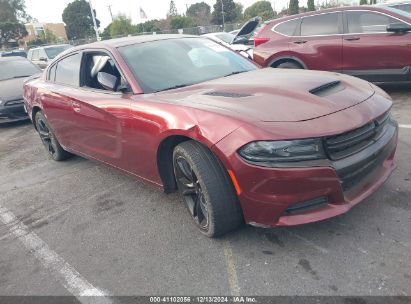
pixel 81 227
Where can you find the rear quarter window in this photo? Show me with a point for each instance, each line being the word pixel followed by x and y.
pixel 287 28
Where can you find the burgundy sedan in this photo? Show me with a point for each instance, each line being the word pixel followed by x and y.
pixel 370 42
pixel 265 146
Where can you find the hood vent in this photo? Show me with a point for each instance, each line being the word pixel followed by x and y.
pixel 227 94
pixel 328 89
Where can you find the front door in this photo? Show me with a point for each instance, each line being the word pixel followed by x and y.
pixel 372 53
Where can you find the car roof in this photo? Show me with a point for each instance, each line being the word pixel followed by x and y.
pixel 12 58
pixel 119 42
pixel 334 9
pixel 48 46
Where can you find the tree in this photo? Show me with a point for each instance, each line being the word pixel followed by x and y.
pixel 179 22
pixel 106 33
pixel 293 9
pixel 260 8
pixel 78 20
pixel 310 5
pixel 363 2
pixel 12 14
pixel 11 31
pixel 200 12
pixel 230 13
pixel 172 12
pixel 13 11
pixel 148 26
pixel 49 36
pixel 122 26
pixel 239 12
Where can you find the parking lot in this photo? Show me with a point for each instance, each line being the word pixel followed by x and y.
pixel 123 237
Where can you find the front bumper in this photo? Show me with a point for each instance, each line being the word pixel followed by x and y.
pixel 269 194
pixel 12 113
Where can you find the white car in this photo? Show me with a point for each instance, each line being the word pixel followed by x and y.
pixel 226 39
pixel 241 41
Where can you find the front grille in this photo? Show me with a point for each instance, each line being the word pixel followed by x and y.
pixel 352 142
pixel 14 102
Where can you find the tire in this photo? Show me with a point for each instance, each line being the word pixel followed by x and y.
pixel 206 189
pixel 289 65
pixel 50 142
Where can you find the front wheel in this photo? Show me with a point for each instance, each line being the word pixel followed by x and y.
pixel 48 139
pixel 206 189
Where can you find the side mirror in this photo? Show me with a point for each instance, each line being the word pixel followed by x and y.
pixel 43 59
pixel 398 28
pixel 107 81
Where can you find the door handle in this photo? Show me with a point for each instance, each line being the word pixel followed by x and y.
pixel 352 38
pixel 76 106
pixel 300 41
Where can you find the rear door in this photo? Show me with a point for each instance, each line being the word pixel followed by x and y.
pixel 63 80
pixel 372 53
pixel 319 43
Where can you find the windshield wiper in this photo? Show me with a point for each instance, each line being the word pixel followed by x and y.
pixel 174 87
pixel 234 73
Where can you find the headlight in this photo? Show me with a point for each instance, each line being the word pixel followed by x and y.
pixel 1 102
pixel 283 151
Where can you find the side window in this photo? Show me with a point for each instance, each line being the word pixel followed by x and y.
pixel 324 24
pixel 287 28
pixel 35 55
pixel 368 22
pixel 68 70
pixel 95 63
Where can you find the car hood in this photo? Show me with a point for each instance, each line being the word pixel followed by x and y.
pixel 11 89
pixel 274 94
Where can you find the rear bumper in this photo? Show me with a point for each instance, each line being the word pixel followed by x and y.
pixel 269 196
pixel 12 113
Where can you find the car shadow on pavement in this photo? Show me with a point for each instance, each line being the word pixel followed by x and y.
pixel 11 125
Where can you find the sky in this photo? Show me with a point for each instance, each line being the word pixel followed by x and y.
pixel 51 10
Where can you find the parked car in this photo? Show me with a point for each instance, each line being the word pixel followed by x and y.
pixel 13 71
pixel 14 53
pixel 271 147
pixel 239 42
pixel 402 5
pixel 42 56
pixel 371 42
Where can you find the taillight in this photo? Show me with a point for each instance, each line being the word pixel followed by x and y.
pixel 260 40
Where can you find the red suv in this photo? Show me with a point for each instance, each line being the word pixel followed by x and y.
pixel 373 43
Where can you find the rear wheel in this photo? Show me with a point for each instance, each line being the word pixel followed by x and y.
pixel 50 142
pixel 289 65
pixel 206 189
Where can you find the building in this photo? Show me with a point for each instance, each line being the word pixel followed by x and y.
pixel 36 29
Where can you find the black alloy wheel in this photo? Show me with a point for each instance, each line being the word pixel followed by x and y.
pixel 206 189
pixel 191 192
pixel 48 139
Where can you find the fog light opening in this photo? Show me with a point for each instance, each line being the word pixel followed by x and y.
pixel 313 204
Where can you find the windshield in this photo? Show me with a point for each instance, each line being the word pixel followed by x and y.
pixel 404 10
pixel 171 63
pixel 17 69
pixel 226 37
pixel 52 52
